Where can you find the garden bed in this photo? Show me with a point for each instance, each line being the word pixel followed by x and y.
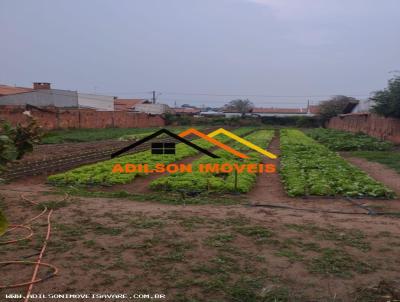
pixel 308 168
pixel 101 173
pixel 337 140
pixel 218 182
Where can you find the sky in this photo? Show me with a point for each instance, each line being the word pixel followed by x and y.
pixel 277 53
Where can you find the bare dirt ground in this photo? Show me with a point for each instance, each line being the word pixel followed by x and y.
pixel 44 152
pixel 204 253
pixel 209 252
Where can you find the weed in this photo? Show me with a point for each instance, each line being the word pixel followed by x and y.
pixel 143 222
pixel 338 263
pixel 388 158
pixel 70 232
pixel 220 240
pixel 51 205
pixel 290 254
pixel 90 244
pixel 189 223
pixel 258 233
pixel 353 237
pixel 100 229
pixel 236 220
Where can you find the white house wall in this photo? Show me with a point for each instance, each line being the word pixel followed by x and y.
pixel 152 108
pixel 95 101
pixel 52 97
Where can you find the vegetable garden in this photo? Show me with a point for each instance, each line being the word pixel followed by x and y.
pixel 308 168
pixel 100 173
pixel 345 141
pixel 221 182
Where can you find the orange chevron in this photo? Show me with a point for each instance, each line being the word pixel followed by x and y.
pixel 213 141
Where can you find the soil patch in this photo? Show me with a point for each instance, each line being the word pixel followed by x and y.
pixel 380 172
pixel 204 252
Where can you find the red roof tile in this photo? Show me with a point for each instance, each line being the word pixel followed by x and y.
pixel 314 109
pixel 127 104
pixel 8 90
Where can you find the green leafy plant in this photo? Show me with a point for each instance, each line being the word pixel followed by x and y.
pixel 101 173
pixel 308 168
pixel 345 141
pixel 222 182
pixel 14 143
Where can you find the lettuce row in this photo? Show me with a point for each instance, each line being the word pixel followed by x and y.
pixel 100 173
pixel 224 182
pixel 308 168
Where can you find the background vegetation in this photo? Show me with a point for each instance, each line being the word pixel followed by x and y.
pixel 387 101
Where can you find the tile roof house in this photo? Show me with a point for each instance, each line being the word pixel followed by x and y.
pixel 128 104
pixel 10 90
pixel 41 95
pixel 186 111
pixel 96 101
pixel 275 112
pixel 155 109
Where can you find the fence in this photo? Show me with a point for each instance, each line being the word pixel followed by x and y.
pixel 54 118
pixel 371 124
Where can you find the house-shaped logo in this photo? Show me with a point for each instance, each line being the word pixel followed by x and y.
pixel 169 147
pixel 163 147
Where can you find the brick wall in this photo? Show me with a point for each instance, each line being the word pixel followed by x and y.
pixel 371 124
pixel 82 118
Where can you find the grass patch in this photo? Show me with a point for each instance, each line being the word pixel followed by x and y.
pixel 258 233
pixel 51 205
pixel 293 256
pixel 352 237
pixel 190 223
pixel 69 232
pixel 143 222
pixel 100 229
pixel 220 240
pixel 387 158
pixel 164 197
pixel 338 263
pixel 89 135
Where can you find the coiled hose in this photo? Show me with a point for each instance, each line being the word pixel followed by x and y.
pixel 38 262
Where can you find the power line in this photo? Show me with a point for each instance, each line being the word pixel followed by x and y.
pixel 260 95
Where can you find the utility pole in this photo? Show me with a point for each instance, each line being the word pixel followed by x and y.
pixel 154 97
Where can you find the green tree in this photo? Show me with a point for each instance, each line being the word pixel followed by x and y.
pixel 335 106
pixel 14 143
pixel 387 101
pixel 240 106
